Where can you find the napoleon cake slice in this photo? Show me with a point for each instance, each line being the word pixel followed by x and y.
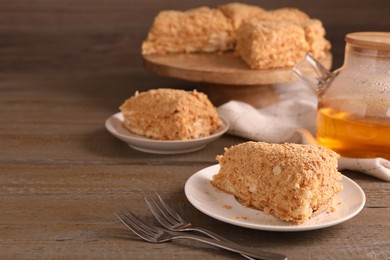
pixel 170 114
pixel 290 181
pixel 200 29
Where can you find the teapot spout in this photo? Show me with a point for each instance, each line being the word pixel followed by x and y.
pixel 313 73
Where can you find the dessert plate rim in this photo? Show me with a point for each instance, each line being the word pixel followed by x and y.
pixel 224 207
pixel 114 124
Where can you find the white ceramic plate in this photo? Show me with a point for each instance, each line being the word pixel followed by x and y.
pixel 224 207
pixel 114 126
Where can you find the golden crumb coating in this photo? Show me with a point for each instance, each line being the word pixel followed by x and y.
pixel 197 30
pixel 291 181
pixel 287 14
pixel 315 37
pixel 239 13
pixel 170 114
pixel 268 44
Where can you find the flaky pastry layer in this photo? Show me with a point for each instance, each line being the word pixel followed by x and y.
pixel 170 114
pixel 291 181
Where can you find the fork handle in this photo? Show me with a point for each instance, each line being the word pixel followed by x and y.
pixel 213 236
pixel 208 233
pixel 250 251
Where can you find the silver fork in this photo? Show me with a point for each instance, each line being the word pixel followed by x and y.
pixel 171 220
pixel 154 234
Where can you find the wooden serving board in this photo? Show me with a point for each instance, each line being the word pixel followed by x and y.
pixel 225 68
pixel 225 76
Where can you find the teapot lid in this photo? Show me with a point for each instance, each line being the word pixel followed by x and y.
pixel 374 40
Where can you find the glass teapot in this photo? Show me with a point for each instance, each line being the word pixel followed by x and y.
pixel 353 114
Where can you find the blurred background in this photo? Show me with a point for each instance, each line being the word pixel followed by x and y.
pixel 103 37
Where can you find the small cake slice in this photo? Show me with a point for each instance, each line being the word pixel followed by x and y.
pixel 291 181
pixel 201 29
pixel 272 43
pixel 268 44
pixel 170 114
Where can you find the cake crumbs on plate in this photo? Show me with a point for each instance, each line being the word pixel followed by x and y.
pixel 227 206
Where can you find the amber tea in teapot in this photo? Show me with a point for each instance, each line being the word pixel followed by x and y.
pixel 353 115
pixel 353 136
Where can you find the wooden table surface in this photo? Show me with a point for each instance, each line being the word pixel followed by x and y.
pixel 64 69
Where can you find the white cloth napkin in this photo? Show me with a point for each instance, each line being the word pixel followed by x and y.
pixel 291 119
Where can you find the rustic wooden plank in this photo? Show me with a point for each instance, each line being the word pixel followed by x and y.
pixel 93 232
pixel 99 231
pixel 112 240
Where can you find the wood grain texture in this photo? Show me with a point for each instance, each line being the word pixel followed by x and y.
pixel 65 67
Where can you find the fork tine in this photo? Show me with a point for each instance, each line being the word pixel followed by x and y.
pixel 128 223
pixel 172 212
pixel 158 213
pixel 140 223
pixel 138 226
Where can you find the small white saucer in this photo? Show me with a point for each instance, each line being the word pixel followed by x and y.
pixel 114 125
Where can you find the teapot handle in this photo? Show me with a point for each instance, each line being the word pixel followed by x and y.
pixel 313 73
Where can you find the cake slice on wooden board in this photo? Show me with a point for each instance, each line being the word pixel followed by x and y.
pixel 200 29
pixel 290 181
pixel 268 44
